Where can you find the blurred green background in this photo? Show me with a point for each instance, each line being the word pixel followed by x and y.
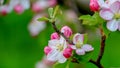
pixel 20 50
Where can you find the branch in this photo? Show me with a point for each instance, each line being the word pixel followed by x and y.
pixel 102 48
pixel 57 30
pixel 103 39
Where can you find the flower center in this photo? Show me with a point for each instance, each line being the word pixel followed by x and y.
pixel 78 45
pixel 59 47
pixel 117 15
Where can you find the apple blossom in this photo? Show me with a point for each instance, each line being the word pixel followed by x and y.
pixel 58 47
pixel 112 15
pixel 79 46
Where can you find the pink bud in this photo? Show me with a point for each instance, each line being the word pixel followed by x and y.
pixel 66 31
pixel 67 53
pixel 52 2
pixel 47 49
pixel 94 5
pixel 19 9
pixel 54 36
pixel 36 8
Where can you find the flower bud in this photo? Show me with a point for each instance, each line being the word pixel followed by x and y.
pixel 66 31
pixel 54 36
pixel 47 49
pixel 18 9
pixel 94 6
pixel 67 53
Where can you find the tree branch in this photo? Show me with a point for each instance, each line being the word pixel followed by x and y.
pixel 102 48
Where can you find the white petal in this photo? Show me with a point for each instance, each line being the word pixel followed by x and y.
pixel 115 7
pixel 52 56
pixel 87 47
pixel 53 43
pixel 61 58
pixel 112 25
pixel 63 42
pixel 80 51
pixel 78 37
pixel 73 47
pixel 106 14
pixel 102 4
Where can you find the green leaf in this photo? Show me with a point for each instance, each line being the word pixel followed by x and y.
pixel 88 20
pixel 92 20
pixel 85 38
pixel 55 11
pixel 98 19
pixel 43 19
pixel 50 11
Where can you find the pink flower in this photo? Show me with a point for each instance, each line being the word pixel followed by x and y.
pixel 112 15
pixel 47 49
pixel 67 53
pixel 54 36
pixel 79 46
pixel 66 31
pixel 94 5
pixel 19 9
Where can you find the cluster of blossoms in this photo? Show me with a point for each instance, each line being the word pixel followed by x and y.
pixel 58 49
pixel 19 6
pixel 109 10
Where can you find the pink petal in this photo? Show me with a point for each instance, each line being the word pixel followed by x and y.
pixel 87 47
pixel 78 37
pixel 80 51
pixel 106 14
pixel 112 25
pixel 115 7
